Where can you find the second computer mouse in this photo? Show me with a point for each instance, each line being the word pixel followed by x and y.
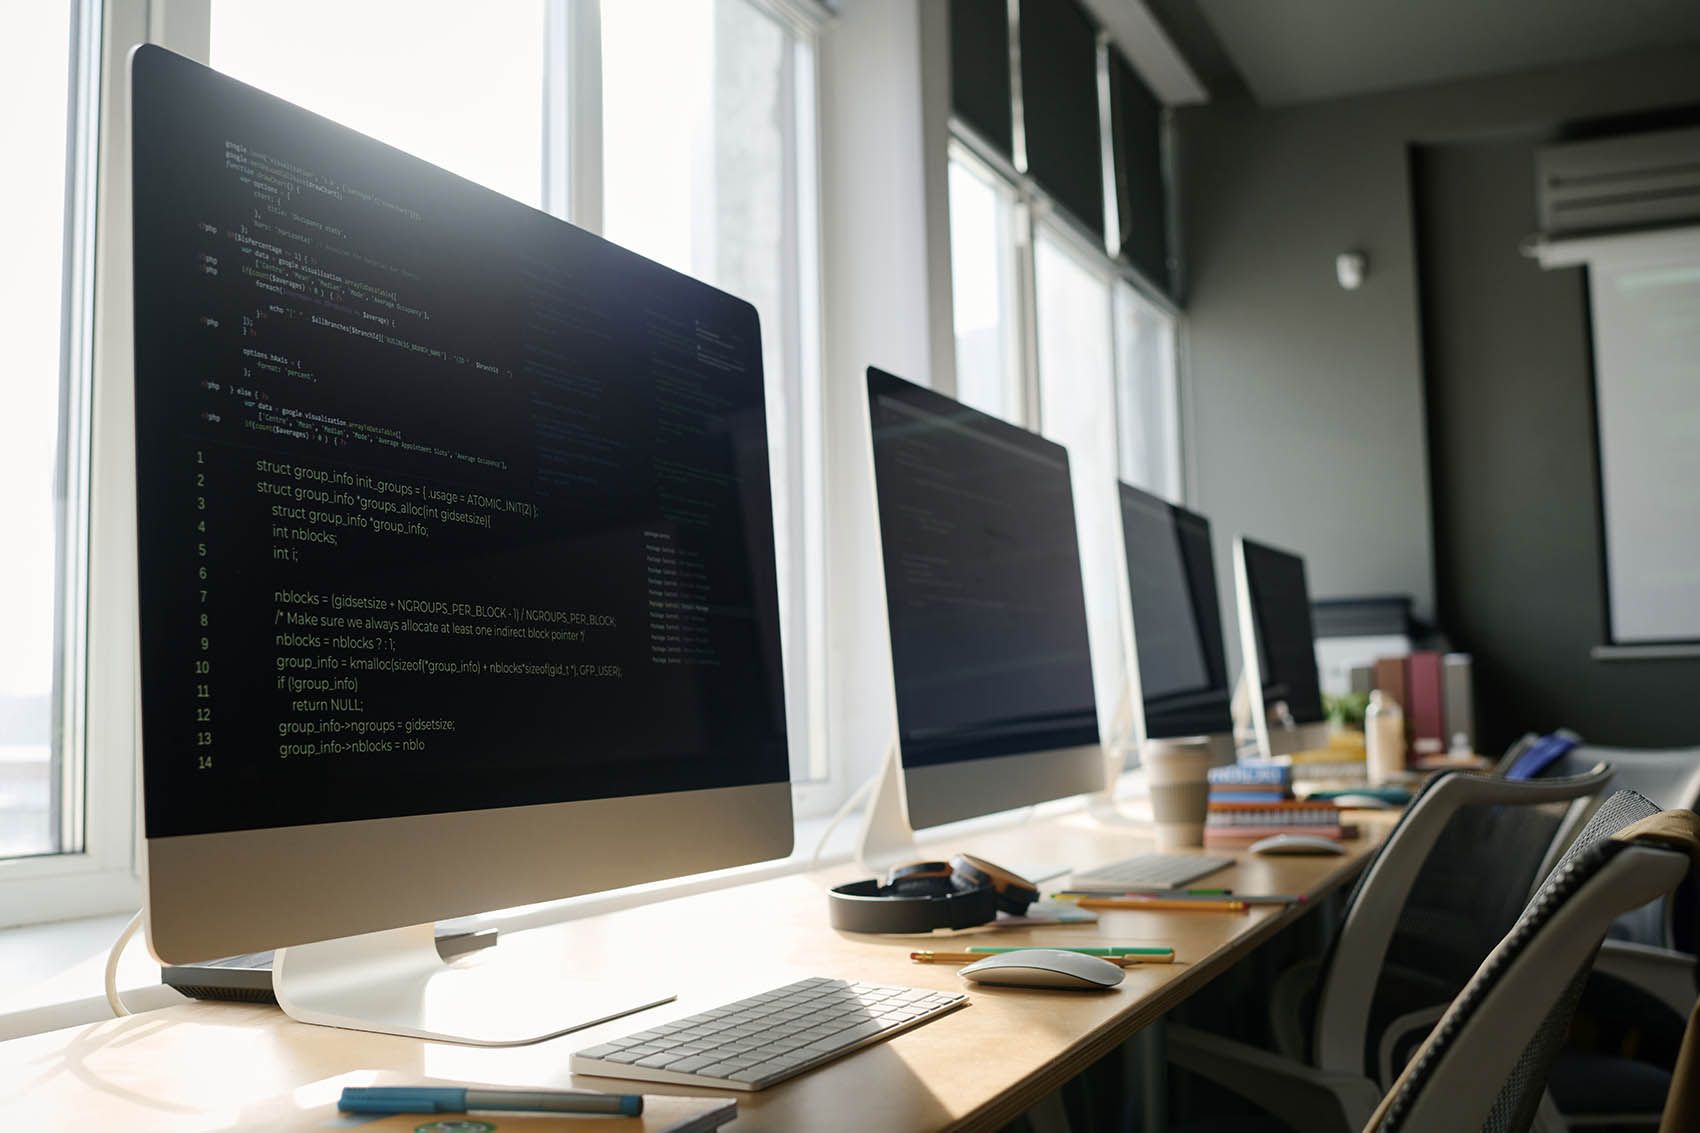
pixel 1045 967
pixel 1296 844
pixel 1362 802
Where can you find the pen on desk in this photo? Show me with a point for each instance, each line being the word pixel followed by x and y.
pixel 459 1099
pixel 1164 904
pixel 1072 896
pixel 976 957
pixel 990 950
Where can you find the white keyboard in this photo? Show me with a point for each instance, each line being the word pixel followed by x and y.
pixel 767 1038
pixel 1149 871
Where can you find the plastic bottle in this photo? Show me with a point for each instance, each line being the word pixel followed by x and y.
pixel 1384 738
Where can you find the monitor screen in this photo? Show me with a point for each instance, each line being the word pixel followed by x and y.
pixel 1286 643
pixel 982 577
pixel 444 504
pixel 1177 620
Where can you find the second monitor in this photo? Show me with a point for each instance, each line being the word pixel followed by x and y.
pixel 1278 647
pixel 989 649
pixel 1184 689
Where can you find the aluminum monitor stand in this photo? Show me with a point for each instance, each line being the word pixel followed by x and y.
pixel 395 983
pixel 887 839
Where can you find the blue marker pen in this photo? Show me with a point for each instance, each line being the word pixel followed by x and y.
pixel 459 1099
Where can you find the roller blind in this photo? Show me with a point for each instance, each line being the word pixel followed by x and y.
pixel 979 69
pixel 1059 96
pixel 1136 134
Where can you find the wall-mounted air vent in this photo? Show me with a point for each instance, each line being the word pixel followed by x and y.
pixel 1636 181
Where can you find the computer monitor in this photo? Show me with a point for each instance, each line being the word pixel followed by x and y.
pixel 1278 649
pixel 456 565
pixel 1183 689
pixel 989 654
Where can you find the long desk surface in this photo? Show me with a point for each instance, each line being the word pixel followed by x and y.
pixel 228 1066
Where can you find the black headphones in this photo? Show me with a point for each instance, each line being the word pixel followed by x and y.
pixel 924 896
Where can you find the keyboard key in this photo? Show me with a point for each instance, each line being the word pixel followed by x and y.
pixel 859 1032
pixel 602 1051
pixel 632 1054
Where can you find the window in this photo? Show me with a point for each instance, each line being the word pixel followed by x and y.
pixel 983 294
pixel 456 84
pixel 42 457
pixel 1076 383
pixel 1147 395
pixel 712 172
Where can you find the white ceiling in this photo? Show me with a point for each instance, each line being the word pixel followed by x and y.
pixel 1304 50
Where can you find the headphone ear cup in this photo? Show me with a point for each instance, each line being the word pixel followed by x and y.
pixel 920 879
pixel 1014 892
pixel 921 887
pixel 962 884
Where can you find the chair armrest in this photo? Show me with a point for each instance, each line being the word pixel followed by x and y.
pixel 1662 973
pixel 1288 1019
pixel 1422 1019
pixel 1303 1097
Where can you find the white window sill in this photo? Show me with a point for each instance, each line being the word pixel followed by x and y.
pixel 55 972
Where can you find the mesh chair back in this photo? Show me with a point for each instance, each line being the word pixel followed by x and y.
pixel 1468 894
pixel 1514 1108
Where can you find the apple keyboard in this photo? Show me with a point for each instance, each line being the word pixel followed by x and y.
pixel 1149 871
pixel 767 1038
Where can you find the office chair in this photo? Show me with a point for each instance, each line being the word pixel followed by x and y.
pixel 1643 981
pixel 1487 1062
pixel 1450 880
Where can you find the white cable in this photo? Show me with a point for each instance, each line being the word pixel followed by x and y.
pixel 112 996
pixel 858 796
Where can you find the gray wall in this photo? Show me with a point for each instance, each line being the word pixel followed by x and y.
pixel 1516 515
pixel 1305 403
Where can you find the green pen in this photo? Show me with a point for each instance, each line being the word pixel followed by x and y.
pixel 1134 889
pixel 1083 951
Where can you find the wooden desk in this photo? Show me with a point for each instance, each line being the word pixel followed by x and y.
pixel 224 1066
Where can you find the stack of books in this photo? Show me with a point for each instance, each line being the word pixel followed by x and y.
pixel 1235 824
pixel 1249 801
pixel 1251 782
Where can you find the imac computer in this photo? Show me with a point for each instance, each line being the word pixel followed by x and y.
pixel 1278 650
pixel 456 566
pixel 990 662
pixel 1183 691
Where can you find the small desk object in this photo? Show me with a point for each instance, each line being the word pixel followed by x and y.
pixel 216 1066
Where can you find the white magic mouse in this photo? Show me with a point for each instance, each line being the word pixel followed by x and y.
pixel 1296 844
pixel 1047 968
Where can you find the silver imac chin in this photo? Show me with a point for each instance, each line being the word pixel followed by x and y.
pixel 227 893
pixel 328 898
pixel 908 799
pixel 951 792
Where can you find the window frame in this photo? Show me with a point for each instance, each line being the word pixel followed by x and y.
pixel 97 791
pixel 1013 268
pixel 1034 209
pixel 96 868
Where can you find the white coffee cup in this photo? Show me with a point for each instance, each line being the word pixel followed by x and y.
pixel 1177 773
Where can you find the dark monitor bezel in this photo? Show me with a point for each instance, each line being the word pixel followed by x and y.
pixel 1212 718
pixel 1302 714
